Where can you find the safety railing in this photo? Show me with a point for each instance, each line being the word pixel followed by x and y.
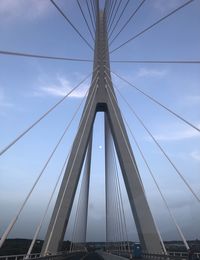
pixel 173 256
pixel 19 257
pixel 154 256
pixel 58 256
pixel 162 256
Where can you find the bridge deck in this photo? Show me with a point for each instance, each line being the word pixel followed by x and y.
pixel 93 256
pixel 84 256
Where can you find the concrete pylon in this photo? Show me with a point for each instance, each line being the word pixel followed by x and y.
pixel 102 98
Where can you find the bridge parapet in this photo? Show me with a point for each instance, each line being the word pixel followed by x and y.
pixel 171 256
pixel 19 257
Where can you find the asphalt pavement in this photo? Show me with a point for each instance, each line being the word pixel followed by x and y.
pixel 84 256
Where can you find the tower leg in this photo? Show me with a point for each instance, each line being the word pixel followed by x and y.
pixel 62 209
pixel 147 231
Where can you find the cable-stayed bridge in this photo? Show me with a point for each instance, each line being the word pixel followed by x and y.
pixel 121 168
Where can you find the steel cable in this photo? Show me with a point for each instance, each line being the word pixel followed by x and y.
pixel 42 117
pixel 157 102
pixel 83 15
pixel 158 61
pixel 111 14
pixel 127 22
pixel 90 15
pixel 160 147
pixel 75 29
pixel 152 25
pixel 111 23
pixel 46 210
pixel 12 223
pixel 157 185
pixel 31 55
pixel 118 20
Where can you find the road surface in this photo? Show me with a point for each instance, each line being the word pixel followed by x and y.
pixel 84 256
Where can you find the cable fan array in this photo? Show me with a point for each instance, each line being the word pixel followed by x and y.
pixel 116 226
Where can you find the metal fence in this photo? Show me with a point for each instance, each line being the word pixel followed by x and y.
pixel 172 255
pixel 19 257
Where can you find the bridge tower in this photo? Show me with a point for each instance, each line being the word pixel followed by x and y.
pixel 101 98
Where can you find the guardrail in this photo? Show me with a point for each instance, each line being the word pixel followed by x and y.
pixel 58 256
pixel 19 257
pixel 154 256
pixel 124 253
pixel 183 254
pixel 163 256
pixel 172 255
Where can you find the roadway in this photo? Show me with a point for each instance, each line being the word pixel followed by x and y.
pixel 100 255
pixel 84 256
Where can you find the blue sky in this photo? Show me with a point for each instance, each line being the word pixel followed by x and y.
pixel 28 87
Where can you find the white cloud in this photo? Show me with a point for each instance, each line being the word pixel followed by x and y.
pixel 4 103
pixel 3 99
pixel 177 135
pixel 163 6
pixel 193 100
pixel 61 88
pixel 12 10
pixel 144 72
pixel 195 155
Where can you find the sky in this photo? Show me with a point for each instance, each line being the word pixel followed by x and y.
pixel 29 87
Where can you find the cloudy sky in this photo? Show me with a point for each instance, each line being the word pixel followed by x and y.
pixel 29 87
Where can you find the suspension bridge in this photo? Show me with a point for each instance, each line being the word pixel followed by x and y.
pixel 103 21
